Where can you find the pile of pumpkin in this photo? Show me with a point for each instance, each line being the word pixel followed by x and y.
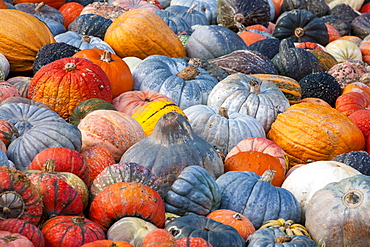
pixel 184 123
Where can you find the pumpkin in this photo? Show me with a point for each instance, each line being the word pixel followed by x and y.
pixel 207 7
pixel 359 87
pixel 251 96
pixel 70 12
pixel 159 237
pixel 332 32
pixel 123 172
pixel 52 52
pixel 175 22
pixel 4 65
pixel 212 41
pixel 116 69
pixel 348 71
pixel 25 228
pixel 289 227
pixel 54 26
pixel 107 243
pixel 17 192
pixel 257 199
pixel 103 9
pixel 247 13
pixel 41 10
pixel 309 178
pixel 229 217
pixel 290 87
pixel 319 8
pixel 8 132
pixel 315 101
pixel 218 126
pixel 173 132
pixel 351 102
pixel 341 24
pixel 91 25
pixel 359 160
pixel 340 206
pixel 301 25
pixel 361 119
pixel 115 131
pixel 326 60
pixel 275 237
pixel 213 70
pixel 135 4
pixel 77 230
pixel 190 14
pixel 14 239
pixel 343 50
pixel 138 199
pixel 192 241
pixel 185 84
pixel 129 102
pixel 267 47
pixel 52 84
pixel 3 5
pixel 130 229
pixel 87 106
pixel 33 33
pixel 55 4
pixel 194 191
pixel 141 26
pixel 364 48
pixel 35 123
pixel 344 11
pixel 18 100
pixel 304 133
pixel 360 26
pixel 7 90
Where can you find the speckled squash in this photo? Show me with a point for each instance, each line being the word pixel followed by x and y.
pixel 90 24
pixel 326 60
pixel 360 160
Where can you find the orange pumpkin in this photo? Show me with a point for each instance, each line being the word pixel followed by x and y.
pixel 258 27
pixel 357 87
pixel 52 3
pixel 193 242
pixel 251 37
pixel 117 70
pixel 256 162
pixel 333 32
pixel 107 243
pixel 350 102
pixel 355 39
pixel 3 5
pixel 315 101
pixel 159 238
pixel 70 12
pixel 365 49
pixel 362 119
pixel 141 33
pixel 229 217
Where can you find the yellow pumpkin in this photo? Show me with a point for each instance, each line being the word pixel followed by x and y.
pixel 22 36
pixel 149 114
pixel 141 33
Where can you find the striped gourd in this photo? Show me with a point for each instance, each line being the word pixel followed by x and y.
pixel 289 86
pixel 149 114
pixel 326 60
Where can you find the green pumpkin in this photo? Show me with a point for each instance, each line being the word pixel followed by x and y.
pixel 318 7
pixel 194 191
pixel 274 237
pixel 216 233
pixel 91 25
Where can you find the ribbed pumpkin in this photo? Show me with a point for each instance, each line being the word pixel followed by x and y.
pixel 309 132
pixel 107 243
pixel 159 238
pixel 148 115
pixel 351 102
pixel 131 30
pixel 66 82
pixel 118 72
pixel 123 199
pixel 20 44
pixel 21 83
pixel 70 12
pixel 326 60
pixel 76 231
pixel 14 239
pixel 7 90
pixel 8 132
pixel 55 4
pixel 193 242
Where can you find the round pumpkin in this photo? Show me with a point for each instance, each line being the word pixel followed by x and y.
pixel 360 160
pixel 91 25
pixel 70 12
pixel 276 237
pixel 193 241
pixel 107 243
pixel 158 238
pixel 14 239
pixel 351 102
pixel 55 4
pixel 343 50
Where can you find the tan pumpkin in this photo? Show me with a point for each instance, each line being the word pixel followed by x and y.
pixel 141 33
pixel 310 132
pixel 22 38
pixel 343 50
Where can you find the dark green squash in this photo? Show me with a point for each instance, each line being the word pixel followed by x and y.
pixel 295 62
pixel 177 23
pixel 87 106
pixel 230 12
pixel 360 26
pixel 275 237
pixel 244 61
pixel 339 23
pixel 317 7
pixel 345 12
pixel 267 47
pixel 52 52
pixel 321 85
pixel 91 25
pixel 195 191
pixel 301 26
pixel 360 160
pixel 216 233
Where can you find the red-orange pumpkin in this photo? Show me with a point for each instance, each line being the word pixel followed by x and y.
pixel 362 119
pixel 117 70
pixel 251 37
pixel 8 132
pixel 108 243
pixel 350 102
pixel 357 87
pixel 193 242
pixel 70 12
pixel 333 32
pixel 3 5
pixel 159 238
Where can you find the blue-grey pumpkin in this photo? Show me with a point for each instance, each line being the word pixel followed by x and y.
pixel 54 26
pixel 222 128
pixel 175 22
pixel 360 160
pixel 208 7
pixel 195 191
pixel 274 237
pixel 41 10
pixel 216 233
pixel 190 14
pixel 185 84
pixel 211 41
pixel 253 196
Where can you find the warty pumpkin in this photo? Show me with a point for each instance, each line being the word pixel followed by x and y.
pixel 103 9
pixel 141 33
pixel 14 239
pixel 33 32
pixel 91 25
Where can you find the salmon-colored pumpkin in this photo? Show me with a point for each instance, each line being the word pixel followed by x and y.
pixel 22 36
pixel 251 37
pixel 14 239
pixel 70 12
pixel 315 101
pixel 7 90
pixel 256 162
pixel 141 33
pixel 117 70
pixel 66 82
pixel 159 238
pixel 193 242
pixel 357 87
pixel 350 102
pixel 108 243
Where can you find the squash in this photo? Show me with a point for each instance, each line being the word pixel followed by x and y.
pixel 159 237
pixel 40 10
pixel 339 23
pixel 192 241
pixel 70 12
pixel 348 71
pixel 326 60
pixel 135 4
pixel 360 160
pixel 207 7
pixel 267 47
pixel 107 243
pixel 343 50
pixel 361 119
pixel 4 67
pixel 127 34
pixel 91 25
pixel 55 4
pixel 351 102
pixel 319 8
pixel 289 227
pixel 177 23
pixel 14 239
pixel 344 11
pixel 275 237
pixel 190 14
pixel 103 9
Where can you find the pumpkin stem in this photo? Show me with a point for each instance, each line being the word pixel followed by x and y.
pixel 241 27
pixel 192 8
pixel 106 56
pixel 237 216
pixel 287 225
pixel 195 61
pixel 223 112
pixel 283 239
pixel 49 166
pixel 299 32
pixel 70 66
pixel 85 38
pixel 267 176
pixel 255 86
pixel 9 238
pixel 238 18
pixel 39 6
pixel 189 73
pixel 353 198
pixel 78 219
pixel 113 245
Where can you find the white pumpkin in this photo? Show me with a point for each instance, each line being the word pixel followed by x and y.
pixel 343 50
pixel 307 179
pixel 355 4
pixel 132 62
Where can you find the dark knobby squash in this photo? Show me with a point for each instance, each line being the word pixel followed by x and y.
pixel 344 11
pixel 91 25
pixel 340 24
pixel 360 26
pixel 275 237
pixel 301 26
pixel 318 7
pixel 216 233
pixel 267 47
pixel 230 12
pixel 326 60
pixel 360 160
